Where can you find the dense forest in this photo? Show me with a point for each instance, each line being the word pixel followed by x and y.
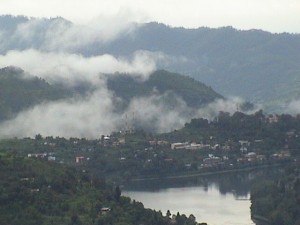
pixel 194 93
pixel 19 91
pixel 43 193
pixel 277 202
pixel 224 58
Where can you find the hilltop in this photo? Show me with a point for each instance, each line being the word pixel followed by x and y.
pixel 260 66
pixel 256 65
pixel 20 91
pixel 193 92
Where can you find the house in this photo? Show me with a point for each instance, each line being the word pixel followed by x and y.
pixel 79 159
pixel 282 155
pixel 162 142
pixel 261 157
pixel 37 155
pixel 251 156
pixel 244 143
pixel 272 119
pixel 122 140
pixel 187 146
pixel 179 145
pixel 243 149
pixel 195 146
pixel 104 210
pixel 215 147
pixel 51 158
pixel 212 161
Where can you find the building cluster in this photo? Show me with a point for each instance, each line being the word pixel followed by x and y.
pixel 188 146
pixel 47 156
pixel 246 152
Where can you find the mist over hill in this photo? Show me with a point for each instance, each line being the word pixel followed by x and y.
pixel 194 93
pixel 256 65
pixel 104 103
pixel 19 91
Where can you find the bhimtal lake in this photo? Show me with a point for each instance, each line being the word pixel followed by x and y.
pixel 222 199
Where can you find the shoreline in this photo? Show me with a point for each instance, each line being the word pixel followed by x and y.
pixel 199 174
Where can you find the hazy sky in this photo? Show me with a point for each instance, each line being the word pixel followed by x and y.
pixel 270 15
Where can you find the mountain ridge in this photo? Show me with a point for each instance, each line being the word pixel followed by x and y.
pixel 257 65
pixel 20 91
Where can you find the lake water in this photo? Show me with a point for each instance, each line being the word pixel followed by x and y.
pixel 216 200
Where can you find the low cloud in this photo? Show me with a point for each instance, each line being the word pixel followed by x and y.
pixel 86 117
pixel 231 105
pixel 158 113
pixel 60 35
pixel 94 115
pixel 52 55
pixel 293 107
pixel 72 68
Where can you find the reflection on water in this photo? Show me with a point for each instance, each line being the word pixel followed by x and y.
pixel 216 200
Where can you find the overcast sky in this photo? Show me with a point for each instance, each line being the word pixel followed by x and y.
pixel 270 15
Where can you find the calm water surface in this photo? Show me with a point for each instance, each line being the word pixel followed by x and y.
pixel 217 200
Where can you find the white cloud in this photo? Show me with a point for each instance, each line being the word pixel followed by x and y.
pixel 61 35
pixel 94 115
pixel 293 107
pixel 157 113
pixel 87 117
pixel 71 68
pixel 230 105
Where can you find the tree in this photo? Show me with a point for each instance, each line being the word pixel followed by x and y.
pixel 117 193
pixel 168 214
pixel 75 220
pixel 38 137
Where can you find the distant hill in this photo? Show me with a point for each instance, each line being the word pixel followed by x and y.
pixel 259 66
pixel 194 93
pixel 19 91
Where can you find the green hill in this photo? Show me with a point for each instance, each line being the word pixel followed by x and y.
pixel 37 192
pixel 19 91
pixel 259 66
pixel 194 93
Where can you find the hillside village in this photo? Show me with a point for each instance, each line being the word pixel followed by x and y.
pixel 136 153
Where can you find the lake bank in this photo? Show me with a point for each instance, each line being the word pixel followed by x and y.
pixel 198 174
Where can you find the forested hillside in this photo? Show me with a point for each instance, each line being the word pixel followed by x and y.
pixel 259 66
pixel 277 202
pixel 194 93
pixel 37 192
pixel 254 64
pixel 19 91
